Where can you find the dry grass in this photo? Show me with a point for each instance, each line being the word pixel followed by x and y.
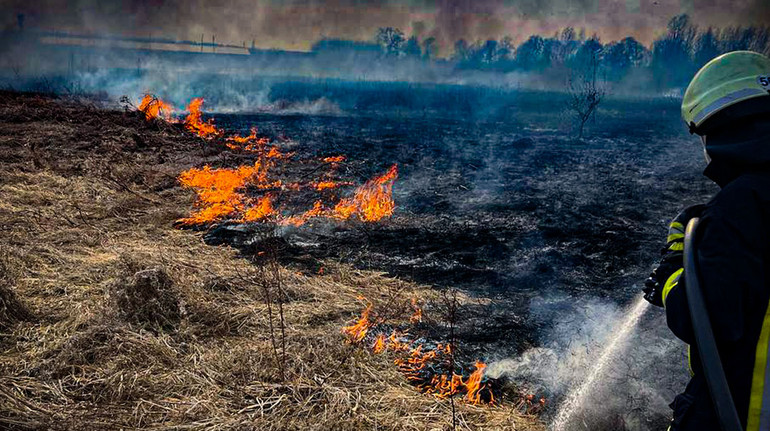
pixel 112 319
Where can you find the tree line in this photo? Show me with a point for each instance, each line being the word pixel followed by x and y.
pixel 673 58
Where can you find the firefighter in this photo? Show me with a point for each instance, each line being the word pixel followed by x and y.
pixel 728 105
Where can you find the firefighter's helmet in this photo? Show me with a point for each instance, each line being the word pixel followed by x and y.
pixel 739 80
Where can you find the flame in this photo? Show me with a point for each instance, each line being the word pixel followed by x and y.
pixel 443 386
pixel 194 121
pixel 301 219
pixel 243 139
pixel 334 159
pixel 228 194
pixel 417 315
pixel 395 344
pixel 274 153
pixel 357 332
pixel 250 143
pixel 473 386
pixel 326 185
pixel 430 370
pixel 262 209
pixel 380 344
pixel 219 191
pixel 154 107
pixel 372 201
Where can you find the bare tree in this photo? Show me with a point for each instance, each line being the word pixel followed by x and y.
pixel 585 92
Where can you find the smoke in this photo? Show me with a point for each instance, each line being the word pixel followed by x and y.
pixel 321 106
pixel 297 25
pixel 640 382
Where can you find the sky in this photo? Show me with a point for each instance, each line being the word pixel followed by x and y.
pixel 296 24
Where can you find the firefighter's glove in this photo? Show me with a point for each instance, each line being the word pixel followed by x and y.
pixel 672 260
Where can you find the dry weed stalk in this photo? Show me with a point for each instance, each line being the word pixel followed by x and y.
pixel 269 278
pixel 451 305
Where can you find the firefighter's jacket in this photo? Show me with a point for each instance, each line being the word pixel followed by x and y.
pixel 733 253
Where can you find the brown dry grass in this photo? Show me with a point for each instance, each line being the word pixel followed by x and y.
pixel 88 200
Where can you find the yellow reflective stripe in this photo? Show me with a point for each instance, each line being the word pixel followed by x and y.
pixel 675 225
pixel 689 361
pixel 677 246
pixel 674 237
pixel 672 281
pixel 758 379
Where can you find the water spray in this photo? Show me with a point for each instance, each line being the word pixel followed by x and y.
pixel 576 398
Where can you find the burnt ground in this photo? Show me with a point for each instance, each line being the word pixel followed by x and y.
pixel 505 211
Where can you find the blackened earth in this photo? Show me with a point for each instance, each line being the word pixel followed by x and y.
pixel 506 209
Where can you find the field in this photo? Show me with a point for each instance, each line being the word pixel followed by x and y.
pixel 539 239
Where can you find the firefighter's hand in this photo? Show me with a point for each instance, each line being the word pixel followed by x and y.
pixel 672 256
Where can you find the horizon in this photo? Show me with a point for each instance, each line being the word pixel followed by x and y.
pixel 242 22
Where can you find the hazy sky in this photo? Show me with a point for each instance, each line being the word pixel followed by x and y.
pixel 296 24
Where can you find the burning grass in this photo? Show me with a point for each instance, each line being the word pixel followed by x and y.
pixel 88 199
pixel 433 369
pixel 251 193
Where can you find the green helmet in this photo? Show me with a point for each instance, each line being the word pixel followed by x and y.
pixel 723 82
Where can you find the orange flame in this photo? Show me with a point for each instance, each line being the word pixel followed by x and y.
pixel 250 143
pixel 379 344
pixel 262 209
pixel 218 191
pixel 334 159
pixel 372 201
pixel 194 121
pixel 222 193
pixel 154 107
pixel 428 369
pixel 326 185
pixel 417 315
pixel 473 385
pixel 301 219
pixel 357 332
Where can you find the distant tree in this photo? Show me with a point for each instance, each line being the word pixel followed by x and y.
pixel 553 52
pixel 671 55
pixel 748 38
pixel 706 48
pixel 621 56
pixel 505 54
pixel 680 28
pixel 487 53
pixel 565 48
pixel 429 48
pixel 461 51
pixel 589 52
pixel 761 42
pixel 412 48
pixel 505 48
pixel 391 40
pixel 567 35
pixel 581 35
pixel 529 56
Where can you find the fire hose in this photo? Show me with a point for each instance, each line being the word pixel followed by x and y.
pixel 704 337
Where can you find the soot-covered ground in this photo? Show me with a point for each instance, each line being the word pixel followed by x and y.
pixel 508 209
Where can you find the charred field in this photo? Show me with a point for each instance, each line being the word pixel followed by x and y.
pixel 507 208
pixel 504 227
